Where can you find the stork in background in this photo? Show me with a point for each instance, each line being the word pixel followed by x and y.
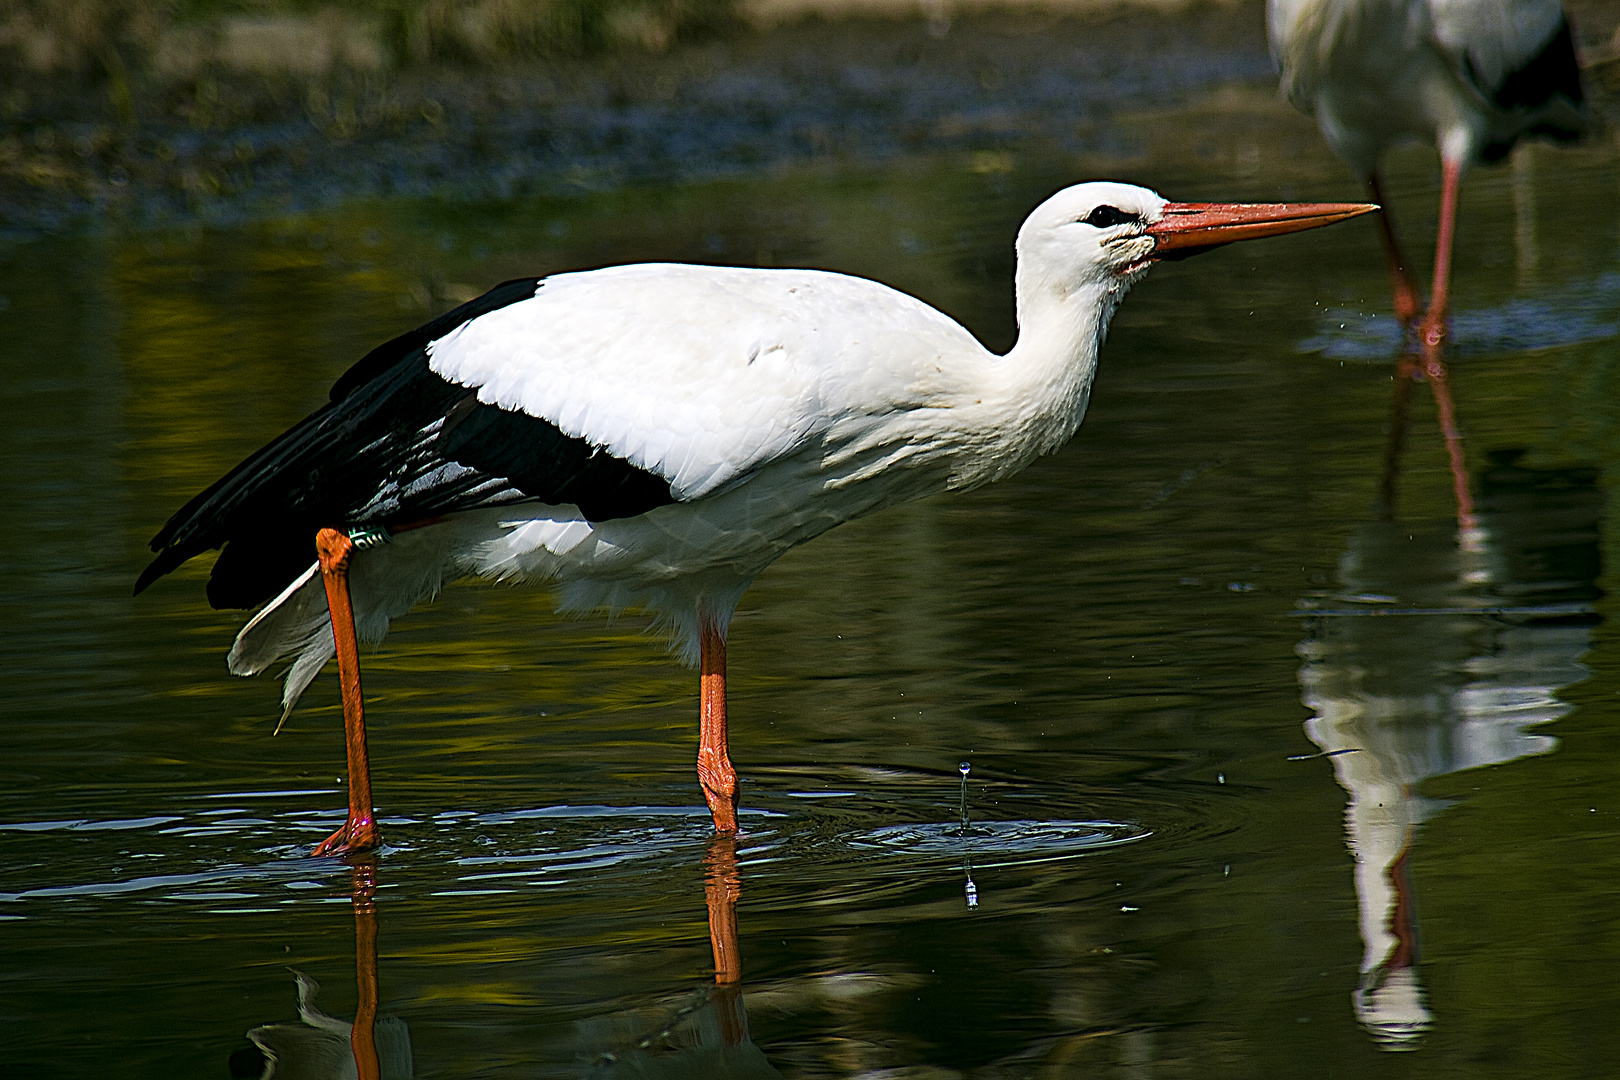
pixel 1475 76
pixel 655 436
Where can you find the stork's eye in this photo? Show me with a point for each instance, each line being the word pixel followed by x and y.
pixel 1106 217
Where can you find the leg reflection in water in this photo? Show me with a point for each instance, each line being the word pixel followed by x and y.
pixel 1408 369
pixel 322 1047
pixel 707 1039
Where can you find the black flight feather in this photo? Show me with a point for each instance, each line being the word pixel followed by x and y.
pixel 396 443
pixel 1551 74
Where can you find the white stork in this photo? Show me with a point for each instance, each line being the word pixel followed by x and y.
pixel 1475 76
pixel 655 436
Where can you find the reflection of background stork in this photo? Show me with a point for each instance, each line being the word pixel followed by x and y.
pixel 1440 659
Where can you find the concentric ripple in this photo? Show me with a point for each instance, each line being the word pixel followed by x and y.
pixel 1002 843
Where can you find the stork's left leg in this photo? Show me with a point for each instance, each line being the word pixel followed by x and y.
pixel 719 779
pixel 360 832
pixel 1432 332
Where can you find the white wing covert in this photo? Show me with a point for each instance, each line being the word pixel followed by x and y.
pixel 702 375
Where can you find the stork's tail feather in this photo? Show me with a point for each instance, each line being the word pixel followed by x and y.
pixel 294 622
pixel 384 583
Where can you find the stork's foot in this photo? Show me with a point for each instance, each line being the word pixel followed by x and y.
pixel 720 789
pixel 357 834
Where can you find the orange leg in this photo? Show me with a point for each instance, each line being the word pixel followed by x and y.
pixel 721 887
pixel 1400 282
pixel 362 1037
pixel 1432 339
pixel 719 779
pixel 360 832
pixel 1432 333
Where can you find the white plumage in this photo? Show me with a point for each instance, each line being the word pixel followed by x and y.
pixel 1377 72
pixel 1472 76
pixel 776 403
pixel 654 436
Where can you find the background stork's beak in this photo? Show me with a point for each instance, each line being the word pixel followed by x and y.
pixel 1188 228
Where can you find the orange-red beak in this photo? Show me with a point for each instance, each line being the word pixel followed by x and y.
pixel 1188 228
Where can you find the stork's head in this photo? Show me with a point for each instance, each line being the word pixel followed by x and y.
pixel 1107 234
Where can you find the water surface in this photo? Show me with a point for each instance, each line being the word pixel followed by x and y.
pixel 1145 645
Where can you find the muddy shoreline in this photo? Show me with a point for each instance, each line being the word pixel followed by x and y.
pixel 226 146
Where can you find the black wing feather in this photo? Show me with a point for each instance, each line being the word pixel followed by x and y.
pixel 1553 73
pixel 396 443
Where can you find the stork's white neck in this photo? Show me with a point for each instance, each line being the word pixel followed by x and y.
pixel 1042 386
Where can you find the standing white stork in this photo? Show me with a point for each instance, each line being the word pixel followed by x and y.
pixel 1475 76
pixel 655 436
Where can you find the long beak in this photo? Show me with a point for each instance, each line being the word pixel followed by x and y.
pixel 1189 228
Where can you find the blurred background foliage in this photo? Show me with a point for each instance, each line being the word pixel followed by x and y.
pixel 179 39
pixel 149 111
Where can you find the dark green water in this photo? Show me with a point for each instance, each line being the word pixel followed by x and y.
pixel 1139 639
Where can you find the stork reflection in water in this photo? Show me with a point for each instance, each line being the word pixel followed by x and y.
pixel 1434 659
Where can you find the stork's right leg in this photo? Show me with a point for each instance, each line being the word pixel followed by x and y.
pixel 360 832
pixel 719 779
pixel 1400 280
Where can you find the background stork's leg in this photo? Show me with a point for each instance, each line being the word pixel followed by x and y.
pixel 1400 280
pixel 1432 334
pixel 360 832
pixel 719 779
